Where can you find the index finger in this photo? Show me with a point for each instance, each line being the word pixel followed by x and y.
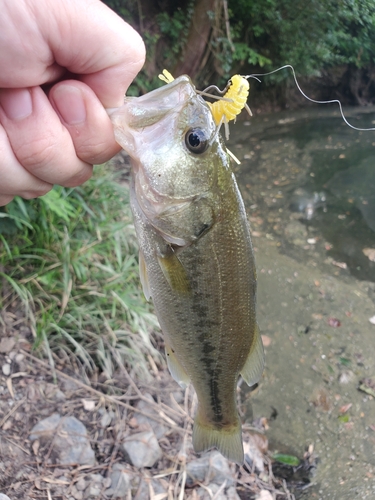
pixel 93 42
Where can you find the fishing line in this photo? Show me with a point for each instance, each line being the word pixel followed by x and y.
pixel 309 98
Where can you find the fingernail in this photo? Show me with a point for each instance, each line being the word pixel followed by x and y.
pixel 70 104
pixel 16 103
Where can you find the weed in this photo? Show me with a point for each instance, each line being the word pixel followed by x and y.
pixel 69 259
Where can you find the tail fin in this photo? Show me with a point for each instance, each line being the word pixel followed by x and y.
pixel 227 441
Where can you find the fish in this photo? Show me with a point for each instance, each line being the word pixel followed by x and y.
pixel 195 253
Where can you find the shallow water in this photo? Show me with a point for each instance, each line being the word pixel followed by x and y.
pixel 314 150
pixel 316 291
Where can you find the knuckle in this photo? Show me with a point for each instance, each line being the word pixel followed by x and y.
pixel 37 153
pixel 80 177
pixel 36 192
pixel 93 152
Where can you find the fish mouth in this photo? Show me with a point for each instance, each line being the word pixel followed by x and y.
pixel 139 113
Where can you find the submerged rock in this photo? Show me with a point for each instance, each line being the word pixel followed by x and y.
pixel 306 202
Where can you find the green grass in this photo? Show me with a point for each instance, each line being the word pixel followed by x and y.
pixel 69 259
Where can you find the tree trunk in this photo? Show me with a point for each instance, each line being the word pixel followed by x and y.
pixel 197 40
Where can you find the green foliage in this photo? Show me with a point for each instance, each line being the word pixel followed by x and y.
pixel 354 37
pixel 176 28
pixel 308 35
pixel 264 35
pixel 70 259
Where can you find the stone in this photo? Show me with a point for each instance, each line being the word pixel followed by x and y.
pixel 158 428
pixel 296 232
pixel 76 494
pixel 146 487
pixel 70 442
pixel 6 369
pixel 7 344
pixel 213 468
pixel 120 477
pixel 81 484
pixel 232 494
pixel 4 497
pixel 224 494
pixel 142 449
pixel 93 491
pixel 106 418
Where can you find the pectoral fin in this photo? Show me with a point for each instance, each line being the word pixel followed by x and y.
pixel 176 369
pixel 253 368
pixel 174 272
pixel 144 276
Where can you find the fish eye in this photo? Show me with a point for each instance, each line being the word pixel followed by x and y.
pixel 196 140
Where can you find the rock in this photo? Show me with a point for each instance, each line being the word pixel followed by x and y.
pixel 106 418
pixel 120 481
pixel 146 487
pixel 4 497
pixel 81 484
pixel 70 442
pixel 94 487
pixel 158 428
pixel 225 494
pixel 213 468
pixel 44 427
pixel 232 494
pixel 93 491
pixel 142 449
pixel 6 369
pixel 76 494
pixel 7 344
pixel 296 232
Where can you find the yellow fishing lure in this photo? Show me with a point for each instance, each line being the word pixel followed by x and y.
pixel 230 104
pixel 233 101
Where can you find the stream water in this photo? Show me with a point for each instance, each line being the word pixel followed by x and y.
pixel 308 182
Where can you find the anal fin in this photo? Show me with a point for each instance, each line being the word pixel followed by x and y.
pixel 177 370
pixel 254 365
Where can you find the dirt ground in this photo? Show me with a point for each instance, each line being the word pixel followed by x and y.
pixel 30 391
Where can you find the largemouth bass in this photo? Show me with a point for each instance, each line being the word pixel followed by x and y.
pixel 196 257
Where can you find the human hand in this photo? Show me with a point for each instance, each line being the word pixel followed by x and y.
pixel 90 56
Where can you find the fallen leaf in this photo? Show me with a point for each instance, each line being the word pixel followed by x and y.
pixel 264 495
pixel 88 404
pixel 341 265
pixel 370 253
pixel 345 408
